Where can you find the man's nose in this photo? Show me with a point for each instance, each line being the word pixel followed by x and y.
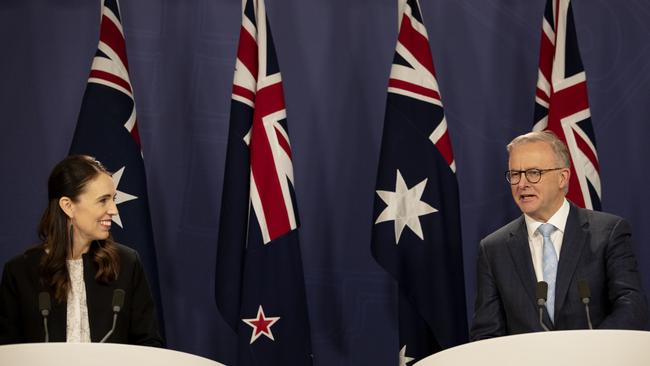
pixel 523 182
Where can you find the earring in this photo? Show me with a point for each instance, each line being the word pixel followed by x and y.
pixel 70 233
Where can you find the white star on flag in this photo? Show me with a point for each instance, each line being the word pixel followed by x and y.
pixel 404 206
pixel 120 197
pixel 261 325
pixel 403 358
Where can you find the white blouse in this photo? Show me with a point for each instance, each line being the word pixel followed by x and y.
pixel 77 328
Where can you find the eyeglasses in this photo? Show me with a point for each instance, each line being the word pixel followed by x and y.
pixel 532 175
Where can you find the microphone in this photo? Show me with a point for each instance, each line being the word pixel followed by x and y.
pixel 118 302
pixel 585 295
pixel 44 306
pixel 540 293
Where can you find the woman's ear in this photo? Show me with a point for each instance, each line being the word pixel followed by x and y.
pixel 67 206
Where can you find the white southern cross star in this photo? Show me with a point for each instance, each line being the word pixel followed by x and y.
pixel 403 358
pixel 120 197
pixel 261 325
pixel 404 206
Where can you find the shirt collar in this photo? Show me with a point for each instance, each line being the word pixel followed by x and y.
pixel 558 219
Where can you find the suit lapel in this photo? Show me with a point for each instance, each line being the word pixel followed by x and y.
pixel 520 252
pixel 572 244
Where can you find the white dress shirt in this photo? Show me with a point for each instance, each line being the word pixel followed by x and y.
pixel 536 242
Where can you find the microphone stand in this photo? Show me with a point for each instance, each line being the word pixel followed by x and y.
pixel 585 295
pixel 540 304
pixel 112 328
pixel 541 293
pixel 118 302
pixel 44 306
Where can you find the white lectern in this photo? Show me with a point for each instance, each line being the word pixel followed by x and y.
pixel 95 354
pixel 558 348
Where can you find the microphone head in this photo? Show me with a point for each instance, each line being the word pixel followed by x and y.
pixel 541 292
pixel 44 305
pixel 118 299
pixel 583 290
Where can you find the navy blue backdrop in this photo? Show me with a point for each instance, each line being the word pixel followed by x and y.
pixel 335 57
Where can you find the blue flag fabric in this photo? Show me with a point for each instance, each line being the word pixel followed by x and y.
pixel 107 129
pixel 259 287
pixel 416 233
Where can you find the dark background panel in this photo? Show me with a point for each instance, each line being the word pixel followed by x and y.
pixel 335 57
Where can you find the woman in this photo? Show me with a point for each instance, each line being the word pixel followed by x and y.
pixel 77 268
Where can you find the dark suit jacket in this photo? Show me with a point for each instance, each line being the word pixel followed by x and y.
pixel 596 247
pixel 21 320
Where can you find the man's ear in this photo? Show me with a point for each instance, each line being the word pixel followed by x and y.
pixel 565 174
pixel 67 206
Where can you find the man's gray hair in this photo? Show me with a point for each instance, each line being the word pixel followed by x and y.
pixel 559 148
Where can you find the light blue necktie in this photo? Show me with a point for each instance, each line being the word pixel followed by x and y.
pixel 549 265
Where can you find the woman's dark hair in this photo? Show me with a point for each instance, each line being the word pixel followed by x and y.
pixel 69 179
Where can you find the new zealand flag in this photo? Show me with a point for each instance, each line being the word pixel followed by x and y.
pixel 259 288
pixel 107 129
pixel 416 234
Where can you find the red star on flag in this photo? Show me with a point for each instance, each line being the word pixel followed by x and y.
pixel 261 325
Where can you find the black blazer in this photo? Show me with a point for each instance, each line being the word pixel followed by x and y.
pixel 596 247
pixel 21 321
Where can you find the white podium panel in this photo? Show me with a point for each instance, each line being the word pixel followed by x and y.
pixel 95 354
pixel 558 348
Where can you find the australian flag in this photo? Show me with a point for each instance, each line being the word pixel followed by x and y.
pixel 561 103
pixel 416 234
pixel 259 288
pixel 107 129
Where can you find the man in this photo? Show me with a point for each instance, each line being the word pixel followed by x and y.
pixel 594 249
